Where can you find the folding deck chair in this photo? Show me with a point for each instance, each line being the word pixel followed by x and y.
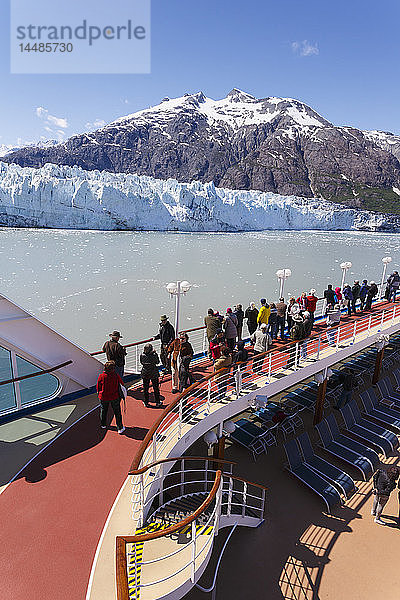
pixel 396 375
pixel 388 393
pixel 315 482
pixel 354 459
pixel 350 443
pixel 341 480
pixel 368 436
pixel 371 426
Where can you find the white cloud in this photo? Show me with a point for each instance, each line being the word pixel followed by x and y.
pixel 305 48
pixel 96 124
pixel 50 120
pixel 58 121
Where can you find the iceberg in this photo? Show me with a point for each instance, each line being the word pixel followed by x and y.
pixel 71 198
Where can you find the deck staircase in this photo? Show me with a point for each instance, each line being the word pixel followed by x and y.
pixel 170 551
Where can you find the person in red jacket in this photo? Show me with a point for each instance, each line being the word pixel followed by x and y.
pixel 108 391
pixel 311 301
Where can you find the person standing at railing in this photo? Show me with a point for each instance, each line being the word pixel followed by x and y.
pixel 363 293
pixel 333 315
pixel 293 309
pixel 166 335
pixel 241 354
pixel 213 325
pixel 240 317
pixel 348 298
pixel 115 352
pixel 311 304
pixel 394 285
pixel 108 390
pixel 149 361
pixel 251 315
pixel 173 354
pixel 296 335
pixel 263 313
pixel 224 362
pixel 307 327
pixel 281 308
pixel 185 356
pixel 355 290
pixel 216 344
pixel 348 381
pixel 372 292
pixel 273 322
pixel 262 342
pixel 329 295
pixel 230 327
pixel 302 301
pixel 339 297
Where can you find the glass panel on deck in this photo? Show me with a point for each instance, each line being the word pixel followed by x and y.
pixel 7 392
pixel 35 388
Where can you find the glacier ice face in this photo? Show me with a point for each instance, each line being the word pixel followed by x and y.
pixel 71 198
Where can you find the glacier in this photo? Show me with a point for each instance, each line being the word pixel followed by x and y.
pixel 72 198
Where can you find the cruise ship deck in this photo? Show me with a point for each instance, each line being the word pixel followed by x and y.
pixel 66 494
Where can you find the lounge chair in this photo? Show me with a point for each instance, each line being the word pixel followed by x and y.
pixel 314 481
pixel 380 415
pixel 393 408
pixel 396 374
pixel 388 393
pixel 371 426
pixel 362 449
pixel 368 436
pixel 341 480
pixel 252 437
pixel 354 459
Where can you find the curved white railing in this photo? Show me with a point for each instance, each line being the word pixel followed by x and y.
pixel 197 402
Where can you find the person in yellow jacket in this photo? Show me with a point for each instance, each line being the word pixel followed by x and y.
pixel 263 313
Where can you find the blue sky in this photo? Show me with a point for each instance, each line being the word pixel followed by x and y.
pixel 341 58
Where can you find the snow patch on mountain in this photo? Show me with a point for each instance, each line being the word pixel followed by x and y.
pixel 69 197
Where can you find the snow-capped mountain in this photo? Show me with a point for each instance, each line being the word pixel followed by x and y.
pixel 8 149
pixel 277 145
pixel 69 197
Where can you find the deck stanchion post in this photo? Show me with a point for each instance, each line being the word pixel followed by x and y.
pixel 244 499
pixel 218 504
pixel 337 339
pixel 269 367
pixel 141 521
pixel 137 358
pixel 208 397
pixel 229 510
pixel 182 486
pixel 206 477
pixel 180 418
pixel 238 381
pixel 296 359
pixel 354 332
pixel 204 341
pixel 369 324
pixel 382 319
pixel 393 313
pixel 193 575
pixel 154 441
pixel 318 346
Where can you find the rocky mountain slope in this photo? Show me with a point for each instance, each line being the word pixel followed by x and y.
pixel 71 198
pixel 277 145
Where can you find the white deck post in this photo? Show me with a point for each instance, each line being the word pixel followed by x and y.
pixel 269 367
pixel 337 339
pixel 180 417
pixel 369 324
pixel 193 575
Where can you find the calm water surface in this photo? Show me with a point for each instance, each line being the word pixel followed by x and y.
pixel 87 283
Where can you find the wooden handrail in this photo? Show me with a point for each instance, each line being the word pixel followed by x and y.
pixel 68 362
pixel 164 460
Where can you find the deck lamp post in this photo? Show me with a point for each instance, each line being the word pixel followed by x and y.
pixel 380 344
pixel 322 379
pixel 282 275
pixel 386 260
pixel 345 266
pixel 218 441
pixel 178 289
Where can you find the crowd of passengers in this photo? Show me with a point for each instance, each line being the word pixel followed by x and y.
pixel 293 320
